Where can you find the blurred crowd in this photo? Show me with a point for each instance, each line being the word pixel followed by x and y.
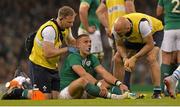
pixel 19 18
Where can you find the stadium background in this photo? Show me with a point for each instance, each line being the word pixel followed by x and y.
pixel 18 18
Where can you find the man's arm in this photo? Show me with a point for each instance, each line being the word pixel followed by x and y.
pixel 78 69
pixel 145 30
pixel 109 78
pixel 83 14
pixel 102 14
pixel 159 10
pixel 105 74
pixel 50 51
pixel 148 46
pixel 129 5
pixel 129 64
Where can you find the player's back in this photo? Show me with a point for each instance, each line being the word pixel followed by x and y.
pixel 172 13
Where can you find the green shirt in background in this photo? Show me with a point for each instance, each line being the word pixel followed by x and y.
pixel 92 17
pixel 172 13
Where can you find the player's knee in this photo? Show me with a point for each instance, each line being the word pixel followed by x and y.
pixel 152 59
pixel 83 81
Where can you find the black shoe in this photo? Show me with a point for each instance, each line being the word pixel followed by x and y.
pixel 9 94
pixel 14 93
pixel 156 96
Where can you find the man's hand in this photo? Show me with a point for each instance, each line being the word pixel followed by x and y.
pixel 72 49
pixel 132 62
pixel 91 29
pixel 126 64
pixel 129 64
pixel 108 32
pixel 103 91
pixel 123 88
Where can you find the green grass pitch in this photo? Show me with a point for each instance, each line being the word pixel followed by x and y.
pixel 147 101
pixel 144 89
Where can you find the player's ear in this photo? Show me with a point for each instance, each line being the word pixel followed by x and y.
pixel 75 14
pixel 61 18
pixel 77 43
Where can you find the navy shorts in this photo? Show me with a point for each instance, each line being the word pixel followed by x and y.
pixel 157 37
pixel 45 79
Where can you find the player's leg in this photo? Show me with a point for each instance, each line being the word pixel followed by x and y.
pixel 118 68
pixel 171 81
pixel 19 93
pixel 116 62
pixel 77 88
pixel 155 71
pixel 167 49
pixel 178 54
pixel 74 90
pixel 55 84
pixel 96 45
pixel 41 78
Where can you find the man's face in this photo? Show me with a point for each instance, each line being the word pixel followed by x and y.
pixel 67 22
pixel 122 27
pixel 84 45
pixel 123 31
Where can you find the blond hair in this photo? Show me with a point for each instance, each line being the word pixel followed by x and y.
pixel 66 11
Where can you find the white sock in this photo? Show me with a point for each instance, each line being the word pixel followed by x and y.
pixel 176 74
pixel 109 95
pixel 119 97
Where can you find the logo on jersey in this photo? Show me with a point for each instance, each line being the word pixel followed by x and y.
pixel 85 62
pixel 88 63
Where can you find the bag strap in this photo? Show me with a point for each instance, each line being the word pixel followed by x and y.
pixel 59 29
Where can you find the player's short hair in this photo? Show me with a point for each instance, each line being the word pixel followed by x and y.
pixel 66 11
pixel 81 35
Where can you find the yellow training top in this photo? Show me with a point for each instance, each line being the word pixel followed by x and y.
pixel 135 19
pixel 37 55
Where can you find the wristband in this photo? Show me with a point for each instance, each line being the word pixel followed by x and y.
pixel 118 83
pixel 98 84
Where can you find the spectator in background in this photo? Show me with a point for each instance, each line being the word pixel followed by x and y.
pixel 107 12
pixel 171 41
pixel 47 49
pixel 135 35
pixel 90 25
